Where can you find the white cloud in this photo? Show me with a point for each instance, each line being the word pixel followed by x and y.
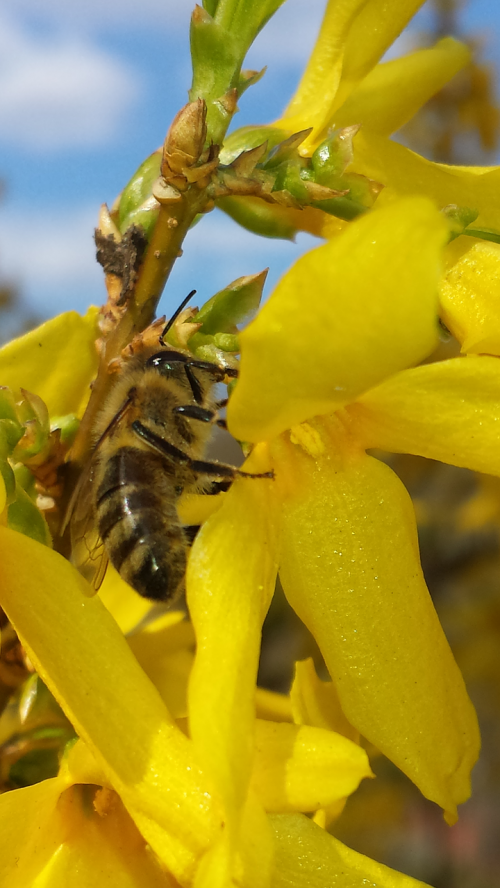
pixel 50 256
pixel 60 91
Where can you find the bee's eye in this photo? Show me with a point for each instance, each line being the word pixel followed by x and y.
pixel 166 360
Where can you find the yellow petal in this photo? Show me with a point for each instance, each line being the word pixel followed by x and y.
pixel 230 581
pixel 307 857
pixel 125 605
pixel 72 836
pixel 57 361
pixel 353 37
pixel 301 768
pixel 165 650
pixel 251 866
pixel 82 656
pixel 27 831
pixel 448 411
pixel 3 495
pixel 273 706
pixel 316 702
pixel 403 172
pixel 393 92
pixel 470 294
pixel 355 580
pixel 346 315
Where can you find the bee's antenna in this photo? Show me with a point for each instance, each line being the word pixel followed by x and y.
pixel 175 315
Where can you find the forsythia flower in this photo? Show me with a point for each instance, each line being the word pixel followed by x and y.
pixel 180 776
pixel 343 86
pixel 334 339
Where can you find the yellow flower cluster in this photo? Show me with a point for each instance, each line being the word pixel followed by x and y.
pixel 185 773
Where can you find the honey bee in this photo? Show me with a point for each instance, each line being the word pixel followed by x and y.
pixel 150 443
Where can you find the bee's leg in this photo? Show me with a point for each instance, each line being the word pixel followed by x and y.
pixel 193 411
pixel 191 530
pixel 220 470
pixel 200 466
pixel 218 374
pixel 217 487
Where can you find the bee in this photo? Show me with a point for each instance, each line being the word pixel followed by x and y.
pixel 151 439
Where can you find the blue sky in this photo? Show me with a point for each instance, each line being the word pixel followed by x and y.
pixel 87 90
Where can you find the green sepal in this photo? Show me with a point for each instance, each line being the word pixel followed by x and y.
pixel 459 218
pixel 10 433
pixel 23 516
pixel 9 479
pixel 25 479
pixel 210 352
pixel 8 406
pixel 341 207
pixel 33 767
pixel 248 137
pixel 236 304
pixel 264 219
pixel 34 416
pixel 288 178
pixel 68 426
pixel 137 192
pixel 145 216
pixel 331 158
pixel 286 150
pixel 487 234
pixel 210 6
pixel 38 707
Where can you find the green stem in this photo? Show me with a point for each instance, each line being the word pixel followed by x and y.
pixel 171 228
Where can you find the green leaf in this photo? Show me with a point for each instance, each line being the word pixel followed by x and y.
pixel 236 304
pixel 24 517
pixel 137 191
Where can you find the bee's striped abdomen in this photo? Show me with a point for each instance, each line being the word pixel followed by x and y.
pixel 139 525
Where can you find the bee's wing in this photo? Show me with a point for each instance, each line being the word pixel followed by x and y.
pixel 88 552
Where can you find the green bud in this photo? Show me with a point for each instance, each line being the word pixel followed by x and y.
pixel 24 517
pixel 265 219
pixel 68 426
pixel 250 137
pixel 227 342
pixel 9 480
pixel 137 192
pixel 236 304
